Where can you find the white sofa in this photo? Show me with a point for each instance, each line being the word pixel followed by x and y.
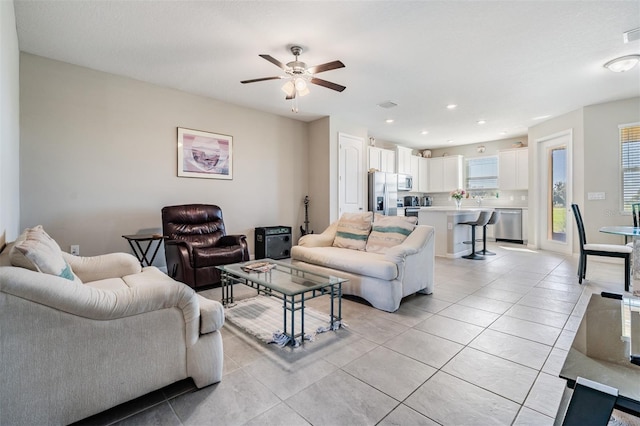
pixel 381 279
pixel 73 348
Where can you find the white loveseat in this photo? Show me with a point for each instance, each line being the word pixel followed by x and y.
pixel 72 348
pixel 382 279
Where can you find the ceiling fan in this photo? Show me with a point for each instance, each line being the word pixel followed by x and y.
pixel 298 75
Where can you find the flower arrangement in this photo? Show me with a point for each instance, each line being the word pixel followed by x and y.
pixel 458 194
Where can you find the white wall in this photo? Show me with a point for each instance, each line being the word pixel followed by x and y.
pixel 602 152
pixel 99 158
pixel 9 125
pixel 596 165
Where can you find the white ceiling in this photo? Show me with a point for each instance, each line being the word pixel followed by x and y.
pixel 502 61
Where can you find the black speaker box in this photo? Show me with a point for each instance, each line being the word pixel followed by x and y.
pixel 273 242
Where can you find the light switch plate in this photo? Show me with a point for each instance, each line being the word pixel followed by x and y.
pixel 595 196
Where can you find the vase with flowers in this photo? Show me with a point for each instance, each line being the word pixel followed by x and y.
pixel 457 195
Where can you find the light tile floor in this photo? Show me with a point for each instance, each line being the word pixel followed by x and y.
pixel 485 348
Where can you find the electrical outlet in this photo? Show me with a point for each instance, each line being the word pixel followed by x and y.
pixel 75 250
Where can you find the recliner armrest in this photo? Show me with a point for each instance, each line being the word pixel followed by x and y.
pixel 231 240
pixel 413 244
pixel 211 315
pixel 111 265
pixel 325 239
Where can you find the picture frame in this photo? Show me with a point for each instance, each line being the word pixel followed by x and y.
pixel 204 154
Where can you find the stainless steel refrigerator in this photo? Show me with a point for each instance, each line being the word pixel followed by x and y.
pixel 383 193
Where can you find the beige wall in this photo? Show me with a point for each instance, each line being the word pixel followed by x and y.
pixel 596 164
pixel 602 153
pixel 98 157
pixel 9 125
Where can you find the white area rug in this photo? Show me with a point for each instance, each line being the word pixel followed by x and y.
pixel 262 317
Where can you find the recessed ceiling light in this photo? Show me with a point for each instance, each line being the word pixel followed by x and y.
pixel 623 63
pixel 389 120
pixel 541 117
pixel 482 121
pixel 450 141
pixel 424 132
pixel 451 106
pixel 504 132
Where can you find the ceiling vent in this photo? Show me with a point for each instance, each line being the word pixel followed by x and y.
pixel 631 35
pixel 387 104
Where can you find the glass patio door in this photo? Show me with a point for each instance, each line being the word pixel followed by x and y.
pixel 555 197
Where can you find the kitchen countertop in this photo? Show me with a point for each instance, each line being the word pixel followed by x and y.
pixel 472 208
pixel 453 209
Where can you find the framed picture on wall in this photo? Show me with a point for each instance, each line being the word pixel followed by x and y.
pixel 204 155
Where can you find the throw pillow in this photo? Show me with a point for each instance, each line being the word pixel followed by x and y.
pixel 353 230
pixel 389 231
pixel 34 249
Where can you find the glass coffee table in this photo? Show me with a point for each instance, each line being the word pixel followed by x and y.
pixel 291 284
pixel 605 356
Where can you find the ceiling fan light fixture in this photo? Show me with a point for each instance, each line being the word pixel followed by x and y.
pixel 301 85
pixel 289 88
pixel 623 63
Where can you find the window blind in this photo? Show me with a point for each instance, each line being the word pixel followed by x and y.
pixel 482 173
pixel 630 165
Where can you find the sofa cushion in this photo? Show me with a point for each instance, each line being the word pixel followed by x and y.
pixel 353 230
pixel 389 231
pixel 354 261
pixel 34 249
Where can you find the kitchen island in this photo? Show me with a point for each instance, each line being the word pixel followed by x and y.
pixel 450 235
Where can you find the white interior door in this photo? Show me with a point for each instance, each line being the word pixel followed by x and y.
pixel 351 174
pixel 555 216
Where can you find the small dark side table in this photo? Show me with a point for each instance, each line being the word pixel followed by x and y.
pixel 141 253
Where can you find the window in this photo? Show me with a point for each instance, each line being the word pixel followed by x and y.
pixel 482 173
pixel 630 164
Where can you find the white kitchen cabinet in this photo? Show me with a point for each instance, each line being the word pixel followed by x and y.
pixel 436 174
pixel 420 173
pixel 423 174
pixel 404 160
pixel 445 173
pixel 453 171
pixel 388 161
pixel 383 160
pixel 513 169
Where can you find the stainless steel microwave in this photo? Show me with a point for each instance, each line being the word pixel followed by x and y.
pixel 405 182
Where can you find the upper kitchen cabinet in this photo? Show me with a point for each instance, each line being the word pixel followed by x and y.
pixel 445 173
pixel 383 160
pixel 420 173
pixel 404 160
pixel 513 169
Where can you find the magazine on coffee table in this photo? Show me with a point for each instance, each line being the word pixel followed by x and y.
pixel 258 267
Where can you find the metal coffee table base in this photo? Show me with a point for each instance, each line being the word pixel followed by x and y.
pixel 290 303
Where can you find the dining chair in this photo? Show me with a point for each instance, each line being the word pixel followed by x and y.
pixel 605 250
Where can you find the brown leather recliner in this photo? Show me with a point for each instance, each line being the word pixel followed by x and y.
pixel 197 242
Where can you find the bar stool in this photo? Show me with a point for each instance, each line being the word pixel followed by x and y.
pixel 495 217
pixel 482 220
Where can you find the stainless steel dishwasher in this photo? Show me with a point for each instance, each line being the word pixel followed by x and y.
pixel 509 227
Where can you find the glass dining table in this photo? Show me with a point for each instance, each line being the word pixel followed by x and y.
pixel 634 232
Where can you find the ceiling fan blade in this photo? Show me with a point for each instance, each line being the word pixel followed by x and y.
pixel 325 67
pixel 327 84
pixel 274 61
pixel 261 79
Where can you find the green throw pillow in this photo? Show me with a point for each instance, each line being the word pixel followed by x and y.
pixel 353 230
pixel 389 231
